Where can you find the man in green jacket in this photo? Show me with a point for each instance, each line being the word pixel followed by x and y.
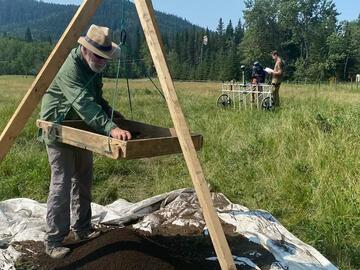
pixel 76 93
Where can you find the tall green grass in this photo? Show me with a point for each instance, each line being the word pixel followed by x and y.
pixel 300 162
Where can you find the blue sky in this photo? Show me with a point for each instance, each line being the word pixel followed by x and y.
pixel 206 13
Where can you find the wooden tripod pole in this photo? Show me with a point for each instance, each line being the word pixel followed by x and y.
pixel 46 75
pixel 147 19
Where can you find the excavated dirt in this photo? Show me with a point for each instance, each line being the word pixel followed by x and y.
pixel 125 249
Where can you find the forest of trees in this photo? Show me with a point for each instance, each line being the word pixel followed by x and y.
pixel 312 42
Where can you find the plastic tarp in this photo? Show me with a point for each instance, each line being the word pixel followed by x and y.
pixel 172 213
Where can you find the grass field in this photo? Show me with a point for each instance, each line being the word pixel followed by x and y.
pixel 300 162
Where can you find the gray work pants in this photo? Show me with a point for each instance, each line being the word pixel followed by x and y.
pixel 70 191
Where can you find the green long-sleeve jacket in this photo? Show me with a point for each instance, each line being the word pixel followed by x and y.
pixel 76 93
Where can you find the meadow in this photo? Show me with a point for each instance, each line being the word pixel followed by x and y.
pixel 300 162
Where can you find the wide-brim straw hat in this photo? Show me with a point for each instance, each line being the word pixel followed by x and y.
pixel 98 41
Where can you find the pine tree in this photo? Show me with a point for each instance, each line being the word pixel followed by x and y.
pixel 220 27
pixel 28 36
pixel 229 33
pixel 49 39
pixel 239 33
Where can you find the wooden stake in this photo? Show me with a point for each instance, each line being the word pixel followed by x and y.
pixel 46 75
pixel 147 19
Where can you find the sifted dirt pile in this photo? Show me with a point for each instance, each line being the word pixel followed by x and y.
pixel 125 249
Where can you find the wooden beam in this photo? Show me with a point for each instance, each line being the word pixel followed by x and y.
pixel 46 74
pixel 148 22
pixel 97 143
pixel 154 141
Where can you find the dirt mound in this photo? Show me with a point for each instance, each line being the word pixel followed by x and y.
pixel 124 249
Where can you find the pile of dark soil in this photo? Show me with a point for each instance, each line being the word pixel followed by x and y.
pixel 197 248
pixel 125 249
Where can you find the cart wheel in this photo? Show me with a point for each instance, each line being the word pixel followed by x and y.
pixel 267 103
pixel 224 101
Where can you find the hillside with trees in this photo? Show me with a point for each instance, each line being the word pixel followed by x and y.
pixel 47 20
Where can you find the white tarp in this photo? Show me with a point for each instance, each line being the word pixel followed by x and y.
pixel 176 212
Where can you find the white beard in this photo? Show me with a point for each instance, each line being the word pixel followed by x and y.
pixel 96 67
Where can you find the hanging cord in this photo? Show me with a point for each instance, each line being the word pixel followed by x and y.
pixel 116 89
pixel 121 45
pixel 123 48
pixel 157 88
pixel 123 36
pixel 123 42
pixel 129 96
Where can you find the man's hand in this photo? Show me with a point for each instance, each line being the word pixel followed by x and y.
pixel 120 134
